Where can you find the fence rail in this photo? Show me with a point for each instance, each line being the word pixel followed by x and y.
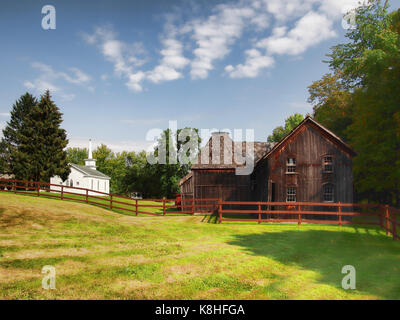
pixel 107 200
pixel 384 216
pixel 388 218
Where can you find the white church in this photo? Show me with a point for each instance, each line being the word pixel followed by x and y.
pixel 86 176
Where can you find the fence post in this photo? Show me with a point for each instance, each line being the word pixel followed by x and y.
pixel 220 210
pixel 299 215
pixel 259 213
pixel 87 196
pixel 193 201
pixel 394 225
pixel 62 192
pixel 15 187
pixel 37 189
pixel 340 214
pixel 111 206
pixel 136 205
pixel 381 208
pixel 387 219
pixel 163 206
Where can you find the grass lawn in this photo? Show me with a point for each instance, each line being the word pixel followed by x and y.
pixel 99 254
pixel 104 202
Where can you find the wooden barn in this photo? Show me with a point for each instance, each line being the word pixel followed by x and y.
pixel 214 175
pixel 311 164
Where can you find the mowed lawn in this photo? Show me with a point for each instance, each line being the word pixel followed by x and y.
pixel 99 254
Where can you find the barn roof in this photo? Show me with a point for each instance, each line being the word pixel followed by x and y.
pixel 185 178
pixel 89 172
pixel 229 152
pixel 327 133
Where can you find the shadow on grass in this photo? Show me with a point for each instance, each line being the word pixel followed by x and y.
pixel 375 256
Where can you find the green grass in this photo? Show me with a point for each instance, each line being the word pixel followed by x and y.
pixel 104 203
pixel 100 254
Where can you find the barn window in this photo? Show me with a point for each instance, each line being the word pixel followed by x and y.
pixel 98 182
pixel 291 165
pixel 328 164
pixel 71 183
pixel 291 194
pixel 77 183
pixel 328 192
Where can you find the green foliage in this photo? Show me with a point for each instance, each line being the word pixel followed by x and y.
pixel 361 101
pixel 33 140
pixel 174 161
pixel 77 155
pixel 281 132
pixel 114 165
pixel 132 172
pixel 332 103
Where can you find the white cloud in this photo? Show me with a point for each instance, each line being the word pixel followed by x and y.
pixel 172 61
pixel 308 31
pixel 76 77
pixel 41 86
pixel 284 10
pixel 215 35
pixel 48 77
pixel 254 63
pixel 4 114
pixel 296 25
pixel 128 58
pixel 125 57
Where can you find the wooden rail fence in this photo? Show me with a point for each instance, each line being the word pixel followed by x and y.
pixel 299 212
pixel 310 212
pixel 107 200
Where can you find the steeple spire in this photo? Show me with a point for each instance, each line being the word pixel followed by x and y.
pixel 90 162
pixel 90 149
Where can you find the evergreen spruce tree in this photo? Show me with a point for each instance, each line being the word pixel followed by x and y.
pixel 34 141
pixel 12 159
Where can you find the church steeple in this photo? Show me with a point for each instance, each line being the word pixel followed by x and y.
pixel 90 162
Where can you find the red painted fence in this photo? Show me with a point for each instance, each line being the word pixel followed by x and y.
pixel 107 200
pixel 299 212
pixel 311 212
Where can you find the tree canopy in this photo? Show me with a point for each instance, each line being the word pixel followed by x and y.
pixel 360 100
pixel 282 131
pixel 33 143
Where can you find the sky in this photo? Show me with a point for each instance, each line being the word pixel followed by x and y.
pixel 120 69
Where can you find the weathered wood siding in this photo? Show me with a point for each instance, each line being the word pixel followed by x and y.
pixel 221 184
pixel 308 146
pixel 187 188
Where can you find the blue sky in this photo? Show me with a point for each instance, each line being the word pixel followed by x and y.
pixel 117 68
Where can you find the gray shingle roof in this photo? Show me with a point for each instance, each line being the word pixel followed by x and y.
pixel 228 148
pixel 89 172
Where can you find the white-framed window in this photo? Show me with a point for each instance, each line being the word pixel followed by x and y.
pixel 91 184
pixel 98 185
pixel 291 194
pixel 291 165
pixel 71 183
pixel 327 163
pixel 77 183
pixel 328 192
